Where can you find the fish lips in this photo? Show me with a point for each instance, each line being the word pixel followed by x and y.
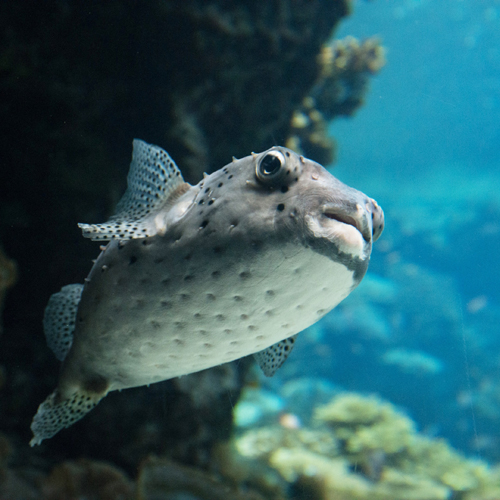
pixel 348 229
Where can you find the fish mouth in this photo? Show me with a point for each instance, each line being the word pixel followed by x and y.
pixel 333 214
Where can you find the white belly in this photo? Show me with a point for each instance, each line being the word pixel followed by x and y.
pixel 171 326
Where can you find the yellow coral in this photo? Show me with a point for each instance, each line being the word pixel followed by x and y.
pixel 372 439
pixel 351 409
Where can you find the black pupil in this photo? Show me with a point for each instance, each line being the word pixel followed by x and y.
pixel 270 164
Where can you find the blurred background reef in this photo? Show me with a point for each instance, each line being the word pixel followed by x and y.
pixel 205 80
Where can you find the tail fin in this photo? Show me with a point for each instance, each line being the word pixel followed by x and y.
pixel 55 414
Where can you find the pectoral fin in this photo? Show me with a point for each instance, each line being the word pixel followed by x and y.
pixel 273 357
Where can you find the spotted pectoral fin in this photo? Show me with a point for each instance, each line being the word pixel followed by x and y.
pixel 60 317
pixel 56 413
pixel 274 356
pixel 153 181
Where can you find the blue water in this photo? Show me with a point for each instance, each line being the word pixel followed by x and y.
pixel 422 330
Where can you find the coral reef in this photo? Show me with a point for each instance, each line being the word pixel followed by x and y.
pixel 159 478
pixel 87 479
pixel 344 68
pixel 364 448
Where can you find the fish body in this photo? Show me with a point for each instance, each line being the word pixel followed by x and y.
pixel 196 276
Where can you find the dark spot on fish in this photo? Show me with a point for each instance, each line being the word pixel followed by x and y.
pixel 218 249
pixel 204 224
pixel 270 293
pixel 228 331
pixel 159 260
pixel 180 325
pixel 95 384
pixel 202 332
pixel 244 317
pixel 230 177
pixel 165 281
pixel 220 317
pixel 197 316
pixel 211 297
pixel 132 260
pixel 184 296
pixel 207 190
pixel 320 311
pixel 166 304
pixel 287 153
pixel 216 274
pixel 211 202
pixel 187 257
pixel 252 328
pixel 238 298
pixel 280 207
pixel 155 325
pixel 145 242
pixel 284 189
pixel 189 277
pixel 201 201
pixel 220 184
pixel 245 275
pixel 207 345
pixel 80 320
pixel 179 341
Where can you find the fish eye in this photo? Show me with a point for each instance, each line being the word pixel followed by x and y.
pixel 270 166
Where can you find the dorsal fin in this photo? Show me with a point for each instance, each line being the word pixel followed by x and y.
pixel 60 317
pixel 153 178
pixel 274 356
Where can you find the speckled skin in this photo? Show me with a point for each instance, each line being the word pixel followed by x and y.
pixel 243 264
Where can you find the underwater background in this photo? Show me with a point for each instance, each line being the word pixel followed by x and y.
pixel 396 393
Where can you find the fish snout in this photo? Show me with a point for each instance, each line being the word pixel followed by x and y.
pixel 377 215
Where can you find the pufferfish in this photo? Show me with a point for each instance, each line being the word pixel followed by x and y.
pixel 196 276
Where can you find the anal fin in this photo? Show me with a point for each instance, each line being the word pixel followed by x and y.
pixel 60 318
pixel 274 356
pixel 54 414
